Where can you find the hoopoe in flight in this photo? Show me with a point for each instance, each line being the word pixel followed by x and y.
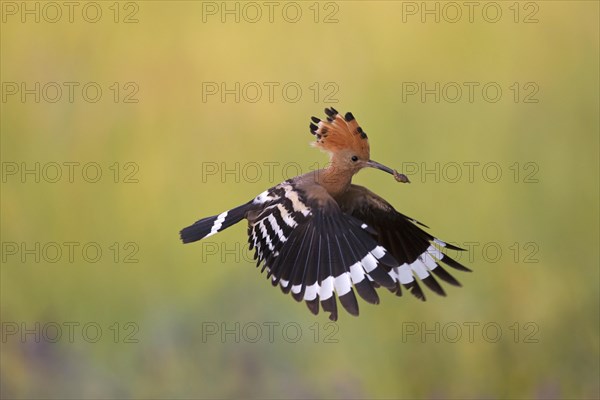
pixel 318 235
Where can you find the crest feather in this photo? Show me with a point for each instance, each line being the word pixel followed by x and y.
pixel 339 132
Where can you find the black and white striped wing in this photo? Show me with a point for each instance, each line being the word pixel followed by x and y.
pixel 318 252
pixel 418 253
pixel 211 225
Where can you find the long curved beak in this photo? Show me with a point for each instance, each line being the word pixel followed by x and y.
pixel 399 177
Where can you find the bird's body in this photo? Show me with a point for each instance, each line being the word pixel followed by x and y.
pixel 318 235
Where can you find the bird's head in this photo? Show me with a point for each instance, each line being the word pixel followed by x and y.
pixel 347 143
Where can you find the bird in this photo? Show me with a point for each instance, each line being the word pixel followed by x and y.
pixel 320 237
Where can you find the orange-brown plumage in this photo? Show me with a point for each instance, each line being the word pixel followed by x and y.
pixel 348 148
pixel 341 133
pixel 321 238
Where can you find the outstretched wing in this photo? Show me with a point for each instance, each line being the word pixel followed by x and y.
pixel 312 249
pixel 209 226
pixel 418 253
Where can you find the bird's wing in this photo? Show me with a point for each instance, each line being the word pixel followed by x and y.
pixel 312 249
pixel 417 252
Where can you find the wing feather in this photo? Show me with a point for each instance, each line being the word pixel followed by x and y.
pixel 314 251
pixel 416 251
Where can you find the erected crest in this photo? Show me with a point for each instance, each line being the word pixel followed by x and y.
pixel 338 133
pixel 323 239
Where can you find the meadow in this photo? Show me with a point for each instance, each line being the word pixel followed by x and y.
pixel 123 122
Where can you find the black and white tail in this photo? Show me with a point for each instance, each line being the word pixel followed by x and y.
pixel 209 226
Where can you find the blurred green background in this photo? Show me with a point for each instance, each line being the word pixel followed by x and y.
pixel 193 321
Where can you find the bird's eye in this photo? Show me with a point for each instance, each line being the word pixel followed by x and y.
pixel 354 158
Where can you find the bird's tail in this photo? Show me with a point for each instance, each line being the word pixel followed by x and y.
pixel 211 225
